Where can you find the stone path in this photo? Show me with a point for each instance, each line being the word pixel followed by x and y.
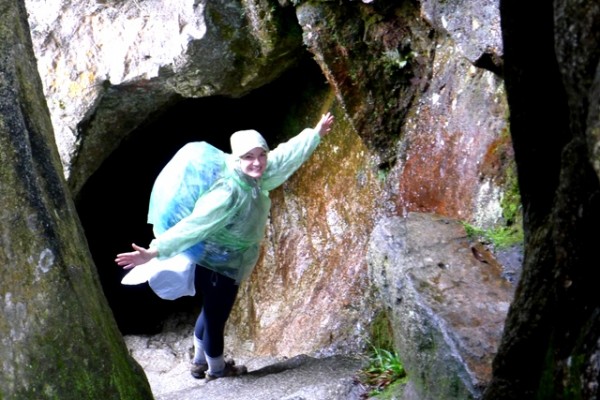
pixel 165 358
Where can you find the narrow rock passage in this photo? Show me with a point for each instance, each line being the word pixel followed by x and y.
pixel 165 358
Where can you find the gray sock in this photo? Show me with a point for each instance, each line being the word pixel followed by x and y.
pixel 216 365
pixel 199 357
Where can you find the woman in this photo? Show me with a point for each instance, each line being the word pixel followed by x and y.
pixel 225 228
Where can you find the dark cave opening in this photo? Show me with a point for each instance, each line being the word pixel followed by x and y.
pixel 113 203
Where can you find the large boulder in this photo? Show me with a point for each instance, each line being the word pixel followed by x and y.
pixel 108 67
pixel 59 339
pixel 447 299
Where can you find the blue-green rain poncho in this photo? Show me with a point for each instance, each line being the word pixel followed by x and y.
pixel 205 210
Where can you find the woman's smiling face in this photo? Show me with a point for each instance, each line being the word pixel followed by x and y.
pixel 254 162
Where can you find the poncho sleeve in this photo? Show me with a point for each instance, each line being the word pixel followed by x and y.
pixel 286 158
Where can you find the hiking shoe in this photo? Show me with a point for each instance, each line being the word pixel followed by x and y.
pixel 199 370
pixel 230 370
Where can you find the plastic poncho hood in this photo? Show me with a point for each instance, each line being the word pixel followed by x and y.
pixel 243 141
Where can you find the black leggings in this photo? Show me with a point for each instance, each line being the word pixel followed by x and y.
pixel 218 295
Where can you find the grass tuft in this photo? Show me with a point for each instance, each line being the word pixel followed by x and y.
pixel 384 369
pixel 500 238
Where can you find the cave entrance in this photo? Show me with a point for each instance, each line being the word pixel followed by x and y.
pixel 113 203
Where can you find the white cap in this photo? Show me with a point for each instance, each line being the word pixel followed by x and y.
pixel 244 141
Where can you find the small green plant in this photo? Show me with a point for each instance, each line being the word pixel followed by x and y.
pixel 384 369
pixel 382 174
pixel 394 59
pixel 501 237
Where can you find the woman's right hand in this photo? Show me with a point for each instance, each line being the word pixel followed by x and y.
pixel 132 259
pixel 324 124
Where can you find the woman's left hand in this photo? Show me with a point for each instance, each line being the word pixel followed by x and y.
pixel 324 125
pixel 138 257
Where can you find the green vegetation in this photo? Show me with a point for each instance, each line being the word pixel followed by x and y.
pixel 394 59
pixel 382 174
pixel 511 232
pixel 384 369
pixel 511 201
pixel 501 237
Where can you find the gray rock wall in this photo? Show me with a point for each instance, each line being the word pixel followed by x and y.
pixel 58 337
